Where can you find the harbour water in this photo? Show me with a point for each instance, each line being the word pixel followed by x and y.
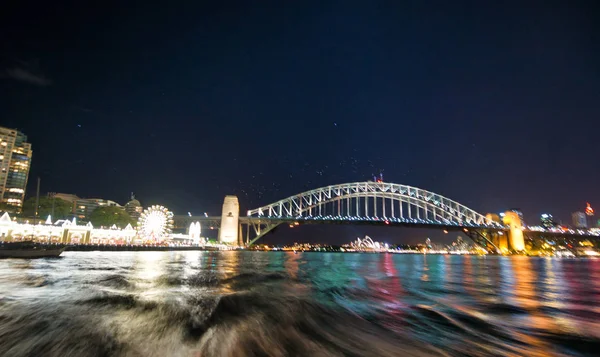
pixel 193 303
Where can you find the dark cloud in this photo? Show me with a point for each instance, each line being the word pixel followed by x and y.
pixel 24 75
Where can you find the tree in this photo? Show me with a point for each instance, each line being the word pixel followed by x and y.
pixel 107 216
pixel 62 208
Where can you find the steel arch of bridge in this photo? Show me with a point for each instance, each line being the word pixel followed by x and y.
pixel 374 201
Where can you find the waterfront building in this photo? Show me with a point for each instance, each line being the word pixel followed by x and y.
pixel 579 220
pixel 134 208
pixel 72 232
pixel 64 196
pixel 83 207
pixel 15 161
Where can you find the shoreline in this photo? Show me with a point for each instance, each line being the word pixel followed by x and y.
pixel 132 248
pixel 152 248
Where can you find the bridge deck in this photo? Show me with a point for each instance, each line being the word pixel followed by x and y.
pixel 215 221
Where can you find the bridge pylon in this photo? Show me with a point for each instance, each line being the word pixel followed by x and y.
pixel 230 221
pixel 515 233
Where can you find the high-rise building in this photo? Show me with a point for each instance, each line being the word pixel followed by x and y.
pixel 589 213
pixel 15 160
pixel 579 220
pixel 428 243
pixel 547 221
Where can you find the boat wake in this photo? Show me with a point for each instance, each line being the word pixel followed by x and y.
pixel 136 309
pixel 245 323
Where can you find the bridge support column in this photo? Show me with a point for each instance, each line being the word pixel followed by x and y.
pixel 230 219
pixel 503 242
pixel 240 235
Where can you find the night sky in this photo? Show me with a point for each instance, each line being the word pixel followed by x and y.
pixel 493 104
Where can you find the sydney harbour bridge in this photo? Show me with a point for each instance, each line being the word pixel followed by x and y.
pixel 382 204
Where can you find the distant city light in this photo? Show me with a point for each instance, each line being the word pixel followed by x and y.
pixel 589 210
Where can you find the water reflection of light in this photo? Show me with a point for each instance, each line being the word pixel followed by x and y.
pixel 524 290
pixel 525 295
pixel 389 290
pixel 551 292
pixel 291 264
pixel 230 262
pixel 424 275
pixel 467 276
pixel 578 295
pixel 483 277
pixel 443 262
pixel 507 280
pixel 394 285
pixel 149 265
pixel 595 275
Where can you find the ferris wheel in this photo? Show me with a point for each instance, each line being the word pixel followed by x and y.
pixel 155 223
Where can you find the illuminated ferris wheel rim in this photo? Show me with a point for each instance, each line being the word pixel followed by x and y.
pixel 155 222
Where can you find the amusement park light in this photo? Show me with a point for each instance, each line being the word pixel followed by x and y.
pixel 155 223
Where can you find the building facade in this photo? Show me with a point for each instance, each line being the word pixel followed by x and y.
pixel 547 221
pixel 83 207
pixel 579 220
pixel 134 208
pixel 15 161
pixel 64 196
